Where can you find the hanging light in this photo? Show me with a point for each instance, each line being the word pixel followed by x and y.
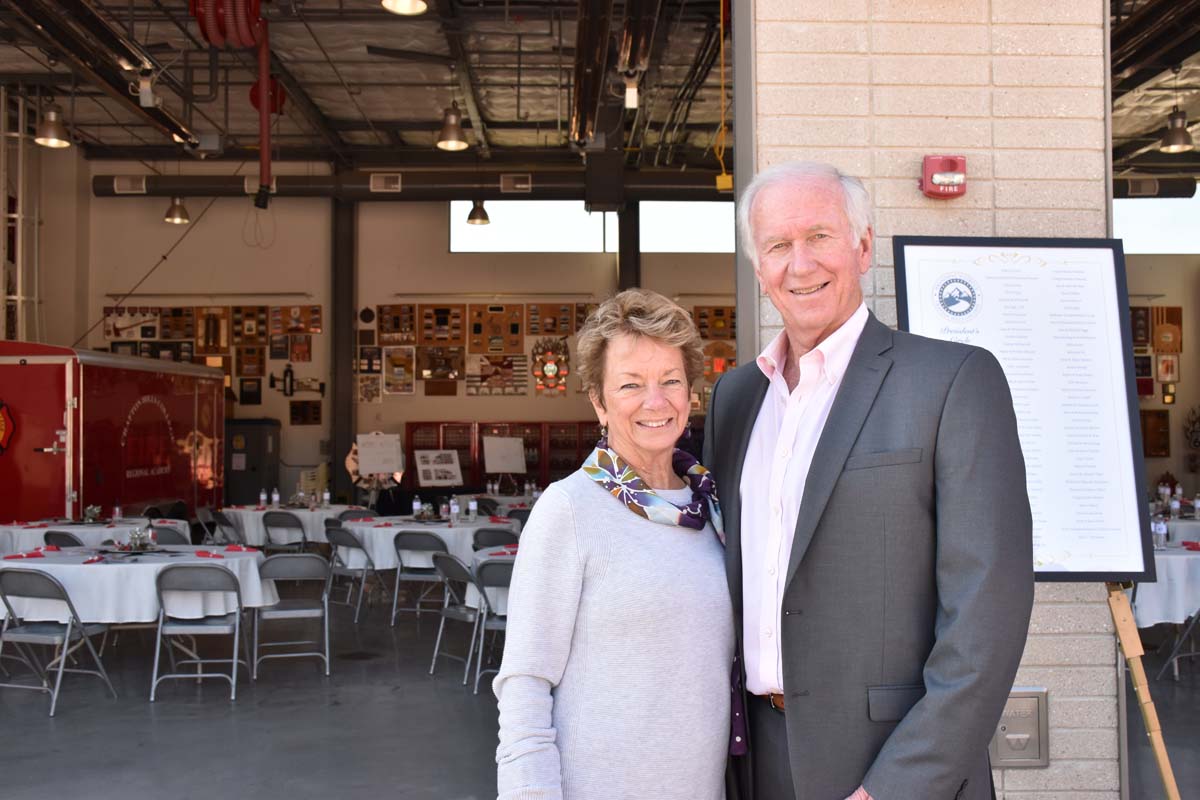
pixel 176 212
pixel 406 8
pixel 478 215
pixel 452 136
pixel 1176 139
pixel 51 132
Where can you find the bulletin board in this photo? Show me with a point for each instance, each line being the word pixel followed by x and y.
pixel 1055 313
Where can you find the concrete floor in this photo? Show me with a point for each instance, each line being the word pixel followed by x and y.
pixel 378 727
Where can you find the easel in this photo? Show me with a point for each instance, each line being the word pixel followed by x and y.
pixel 1131 648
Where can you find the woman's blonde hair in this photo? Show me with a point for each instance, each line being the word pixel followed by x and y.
pixel 636 312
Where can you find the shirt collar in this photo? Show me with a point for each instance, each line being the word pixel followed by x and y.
pixel 833 354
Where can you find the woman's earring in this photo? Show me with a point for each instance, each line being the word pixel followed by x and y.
pixel 603 437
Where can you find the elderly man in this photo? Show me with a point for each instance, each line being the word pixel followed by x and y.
pixel 878 527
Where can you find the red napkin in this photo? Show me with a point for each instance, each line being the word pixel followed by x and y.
pixel 260 508
pixel 494 518
pixel 48 548
pixel 361 519
pixel 111 525
pixel 505 552
pixel 384 525
pixel 34 554
pixel 42 525
pixel 206 554
pixel 164 522
pixel 520 505
pixel 94 560
pixel 237 548
pixel 1194 546
pixel 14 556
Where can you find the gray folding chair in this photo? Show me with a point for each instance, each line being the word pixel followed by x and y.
pixel 454 608
pixel 521 515
pixel 355 513
pixel 177 510
pixel 64 637
pixel 208 524
pixel 490 575
pixel 152 512
pixel 165 534
pixel 275 523
pixel 226 532
pixel 487 505
pixel 294 567
pixel 344 542
pixel 492 537
pixel 407 542
pixel 62 539
pixel 199 578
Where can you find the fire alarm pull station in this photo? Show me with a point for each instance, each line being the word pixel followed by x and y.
pixel 944 176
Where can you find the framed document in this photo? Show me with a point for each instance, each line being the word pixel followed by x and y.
pixel 1055 313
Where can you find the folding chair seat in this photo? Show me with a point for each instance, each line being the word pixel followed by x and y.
pixel 454 609
pixel 490 575
pixel 64 637
pixel 166 534
pixel 487 505
pixel 355 513
pixel 344 543
pixel 294 567
pixel 62 539
pixel 521 515
pixel 198 578
pixel 406 543
pixel 492 537
pixel 225 532
pixel 278 524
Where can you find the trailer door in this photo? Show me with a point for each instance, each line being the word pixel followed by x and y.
pixel 36 438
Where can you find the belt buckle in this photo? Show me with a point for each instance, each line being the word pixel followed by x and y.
pixel 771 698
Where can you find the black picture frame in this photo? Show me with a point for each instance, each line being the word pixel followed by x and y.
pixel 250 391
pixel 1129 388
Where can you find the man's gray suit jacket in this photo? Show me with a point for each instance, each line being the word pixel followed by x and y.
pixel 910 583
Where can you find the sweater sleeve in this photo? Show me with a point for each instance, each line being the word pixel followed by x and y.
pixel 542 604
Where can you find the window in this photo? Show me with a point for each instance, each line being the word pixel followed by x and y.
pixel 1158 225
pixel 682 227
pixel 527 226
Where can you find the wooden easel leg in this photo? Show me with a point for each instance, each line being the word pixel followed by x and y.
pixel 1131 648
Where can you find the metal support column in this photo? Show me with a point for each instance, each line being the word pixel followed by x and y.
pixel 629 247
pixel 4 254
pixel 744 162
pixel 343 314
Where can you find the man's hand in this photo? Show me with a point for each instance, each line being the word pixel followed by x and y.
pixel 860 794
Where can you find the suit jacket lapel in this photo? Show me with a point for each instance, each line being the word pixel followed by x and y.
pixel 746 407
pixel 864 375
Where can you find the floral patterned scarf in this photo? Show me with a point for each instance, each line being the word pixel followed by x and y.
pixel 609 470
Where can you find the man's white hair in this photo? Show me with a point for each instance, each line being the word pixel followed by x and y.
pixel 855 200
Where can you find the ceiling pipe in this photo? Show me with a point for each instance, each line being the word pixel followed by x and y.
pixel 417 185
pixel 1124 188
pixel 591 61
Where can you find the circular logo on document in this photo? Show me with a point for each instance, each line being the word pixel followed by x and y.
pixel 957 297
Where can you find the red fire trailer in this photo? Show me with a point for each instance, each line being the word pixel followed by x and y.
pixel 80 428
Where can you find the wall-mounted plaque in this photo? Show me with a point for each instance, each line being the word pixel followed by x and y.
pixel 370 360
pixel 397 324
pixel 582 312
pixel 399 370
pixel 716 322
pixel 443 325
pixel 295 319
pixel 251 361
pixel 212 330
pixel 440 363
pixel 1167 336
pixel 549 319
pixel 496 329
pixel 301 349
pixel 1156 433
pixel 497 375
pixel 250 393
pixel 1139 320
pixel 177 323
pixel 305 412
pixel 370 389
pixel 280 347
pixel 249 324
pixel 128 322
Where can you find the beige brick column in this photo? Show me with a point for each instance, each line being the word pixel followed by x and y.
pixel 1018 87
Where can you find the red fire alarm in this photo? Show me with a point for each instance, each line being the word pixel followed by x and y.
pixel 944 176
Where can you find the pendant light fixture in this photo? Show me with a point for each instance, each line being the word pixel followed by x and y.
pixel 176 212
pixel 478 215
pixel 1176 138
pixel 452 137
pixel 51 132
pixel 406 8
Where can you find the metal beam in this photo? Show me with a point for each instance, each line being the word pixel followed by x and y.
pixel 308 109
pixel 410 55
pixel 416 126
pixel 1158 36
pixel 452 30
pixel 344 300
pixel 629 247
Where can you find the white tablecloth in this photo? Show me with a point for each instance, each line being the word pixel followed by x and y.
pixel 249 522
pixel 1175 596
pixel 1184 530
pixel 18 538
pixel 377 534
pixel 497 598
pixel 121 589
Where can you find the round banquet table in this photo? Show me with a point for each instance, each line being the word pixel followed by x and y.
pixel 1184 530
pixel 377 534
pixel 120 589
pixel 497 598
pixel 17 538
pixel 1175 596
pixel 249 522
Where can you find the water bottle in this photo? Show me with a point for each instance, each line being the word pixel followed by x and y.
pixel 416 505
pixel 454 509
pixel 472 509
pixel 262 497
pixel 1196 506
pixel 275 497
pixel 325 498
pixel 117 511
pixel 1175 506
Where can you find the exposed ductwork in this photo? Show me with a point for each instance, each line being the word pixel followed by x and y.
pixel 591 66
pixel 419 185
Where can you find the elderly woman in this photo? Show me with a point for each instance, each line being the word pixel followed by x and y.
pixel 615 677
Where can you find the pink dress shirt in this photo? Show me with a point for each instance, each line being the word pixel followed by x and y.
pixel 785 434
